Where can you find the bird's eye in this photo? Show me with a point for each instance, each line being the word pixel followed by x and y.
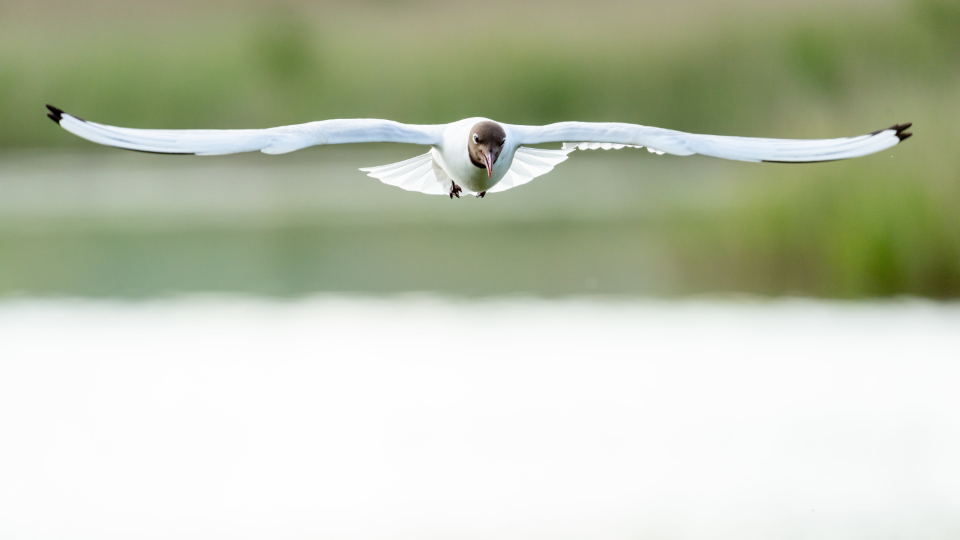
pixel 476 138
pixel 503 141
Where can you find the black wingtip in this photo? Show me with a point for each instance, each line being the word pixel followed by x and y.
pixel 900 129
pixel 55 114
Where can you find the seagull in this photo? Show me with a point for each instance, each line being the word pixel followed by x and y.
pixel 477 155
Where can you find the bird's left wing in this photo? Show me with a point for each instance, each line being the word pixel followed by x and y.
pixel 278 140
pixel 586 135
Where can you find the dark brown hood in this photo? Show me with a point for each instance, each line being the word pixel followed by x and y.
pixel 485 144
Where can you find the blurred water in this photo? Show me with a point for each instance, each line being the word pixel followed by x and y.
pixel 327 185
pixel 423 417
pixel 123 224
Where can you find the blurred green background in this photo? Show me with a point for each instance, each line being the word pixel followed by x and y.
pixel 77 219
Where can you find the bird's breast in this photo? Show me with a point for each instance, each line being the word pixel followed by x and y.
pixel 462 170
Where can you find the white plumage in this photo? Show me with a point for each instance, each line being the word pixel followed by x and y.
pixel 448 161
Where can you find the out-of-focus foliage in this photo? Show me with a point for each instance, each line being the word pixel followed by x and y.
pixel 942 17
pixel 878 226
pixel 266 65
pixel 285 48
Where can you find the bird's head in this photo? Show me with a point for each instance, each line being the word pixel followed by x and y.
pixel 486 142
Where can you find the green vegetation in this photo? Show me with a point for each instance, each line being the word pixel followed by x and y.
pixel 879 226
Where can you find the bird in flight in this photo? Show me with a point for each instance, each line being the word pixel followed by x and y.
pixel 477 155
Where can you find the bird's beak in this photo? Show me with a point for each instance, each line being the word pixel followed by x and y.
pixel 488 163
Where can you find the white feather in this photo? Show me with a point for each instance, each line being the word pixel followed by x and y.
pixel 278 140
pixel 659 141
pixel 414 174
pixel 529 163
pixel 596 146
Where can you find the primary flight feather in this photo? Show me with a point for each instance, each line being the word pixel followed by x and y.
pixel 476 155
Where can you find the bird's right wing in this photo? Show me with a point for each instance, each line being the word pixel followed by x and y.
pixel 587 135
pixel 278 140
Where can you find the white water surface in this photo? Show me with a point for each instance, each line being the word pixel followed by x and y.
pixel 414 417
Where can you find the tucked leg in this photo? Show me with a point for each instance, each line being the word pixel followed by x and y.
pixel 455 189
pixel 481 194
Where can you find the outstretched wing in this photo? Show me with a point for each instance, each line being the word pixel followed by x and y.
pixel 278 140
pixel 583 134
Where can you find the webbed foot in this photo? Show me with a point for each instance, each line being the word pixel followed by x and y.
pixel 481 194
pixel 455 189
